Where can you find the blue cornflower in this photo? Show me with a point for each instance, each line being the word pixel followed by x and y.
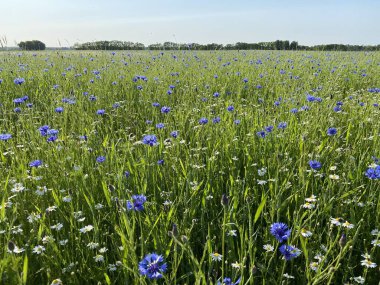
pixel 59 109
pixel 160 162
pixel 216 120
pixel 174 134
pixel 17 110
pixel 18 101
pixel 19 81
pixel 43 130
pixel 152 266
pixel 373 173
pixel 101 112
pixel 156 104
pixel 29 105
pixel 169 92
pixel 294 110
pixel 52 139
pixel 127 174
pixel 139 87
pixel 289 252
pixel 137 203
pixel 331 131
pixel 237 122
pixel 314 164
pixel 83 138
pixel 228 281
pixel 203 121
pixel 150 140
pixel 230 108
pixel 116 105
pixel 165 109
pixel 92 98
pixel 35 163
pixel 100 159
pixel 216 95
pixel 52 132
pixel 160 126
pixel 261 134
pixel 148 122
pixel 277 103
pixel 282 125
pixel 269 129
pixel 280 231
pixel 245 80
pixel 337 109
pixel 5 137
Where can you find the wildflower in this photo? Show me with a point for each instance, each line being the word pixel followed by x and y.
pixel 101 112
pixel 286 275
pixel 334 177
pixel 216 256
pixel 314 266
pixel 165 109
pixel 228 281
pixel 152 266
pixel 282 125
pixel 216 120
pixel 99 258
pixel 314 164
pixel 311 199
pixel 347 225
pixel 335 221
pixel 35 163
pixel 308 205
pixel 261 134
pixel 160 126
pixel 236 122
pixel 306 233
pixel 86 229
pixel 100 159
pixel 331 131
pixel 38 249
pixel 373 172
pixel 289 252
pixel 375 242
pixel 174 134
pixel 92 245
pixel 19 81
pixel 137 203
pixel 59 109
pixel 57 282
pixel 368 263
pixel 230 108
pixel 359 280
pixel 203 121
pixel 237 265
pixel 268 247
pixel 280 231
pixel 150 140
pixel 232 233
pixel 5 137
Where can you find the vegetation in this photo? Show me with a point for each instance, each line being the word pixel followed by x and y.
pixel 276 45
pixel 32 45
pixel 189 167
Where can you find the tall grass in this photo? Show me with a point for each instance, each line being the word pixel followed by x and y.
pixel 264 179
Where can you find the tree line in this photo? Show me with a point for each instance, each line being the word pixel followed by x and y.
pixel 275 45
pixel 32 45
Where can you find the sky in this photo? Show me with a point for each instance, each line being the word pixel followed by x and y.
pixel 66 22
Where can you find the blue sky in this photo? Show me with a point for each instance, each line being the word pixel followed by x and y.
pixel 308 22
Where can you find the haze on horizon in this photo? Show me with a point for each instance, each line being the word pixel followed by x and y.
pixel 63 23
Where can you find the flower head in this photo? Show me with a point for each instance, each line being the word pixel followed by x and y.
pixel 150 140
pixel 35 163
pixel 152 266
pixel 331 131
pixel 280 231
pixel 314 164
pixel 289 252
pixel 5 137
pixel 137 203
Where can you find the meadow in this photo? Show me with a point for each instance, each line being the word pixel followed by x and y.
pixel 186 167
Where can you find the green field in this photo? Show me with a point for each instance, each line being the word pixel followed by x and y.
pixel 221 144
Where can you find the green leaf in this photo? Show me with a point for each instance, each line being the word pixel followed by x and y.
pixel 260 208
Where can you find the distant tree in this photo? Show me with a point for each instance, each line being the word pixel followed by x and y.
pixel 32 45
pixel 293 45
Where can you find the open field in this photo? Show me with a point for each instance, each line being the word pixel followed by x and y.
pixel 106 158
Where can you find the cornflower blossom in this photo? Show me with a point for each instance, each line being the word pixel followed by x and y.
pixel 289 252
pixel 280 231
pixel 137 203
pixel 152 266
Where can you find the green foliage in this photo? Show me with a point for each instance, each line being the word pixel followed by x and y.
pixel 44 210
pixel 32 45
